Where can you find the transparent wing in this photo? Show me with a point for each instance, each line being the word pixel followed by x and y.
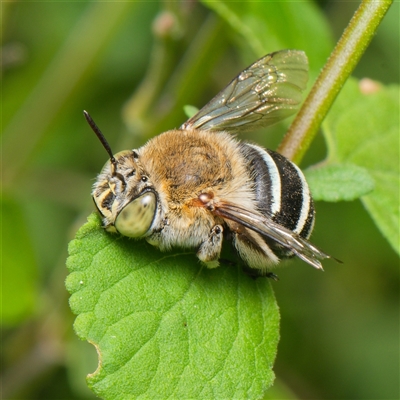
pixel 265 226
pixel 264 93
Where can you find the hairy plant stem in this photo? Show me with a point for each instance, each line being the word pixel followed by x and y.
pixel 341 63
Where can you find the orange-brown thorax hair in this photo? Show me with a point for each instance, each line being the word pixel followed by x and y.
pixel 190 162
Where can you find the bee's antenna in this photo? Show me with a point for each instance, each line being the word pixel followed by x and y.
pixel 101 137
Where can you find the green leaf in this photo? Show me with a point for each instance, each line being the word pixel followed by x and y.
pixel 363 129
pixel 190 111
pixel 275 25
pixel 164 326
pixel 338 182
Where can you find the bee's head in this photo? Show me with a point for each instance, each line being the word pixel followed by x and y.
pixel 123 193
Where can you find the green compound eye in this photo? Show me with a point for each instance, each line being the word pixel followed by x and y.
pixel 135 219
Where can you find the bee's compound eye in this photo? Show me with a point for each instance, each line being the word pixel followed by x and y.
pixel 135 219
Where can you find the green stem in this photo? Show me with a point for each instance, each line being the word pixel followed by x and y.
pixel 340 65
pixel 161 64
pixel 157 102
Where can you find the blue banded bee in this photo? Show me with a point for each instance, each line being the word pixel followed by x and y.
pixel 191 187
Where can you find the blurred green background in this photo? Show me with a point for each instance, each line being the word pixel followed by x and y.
pixel 133 66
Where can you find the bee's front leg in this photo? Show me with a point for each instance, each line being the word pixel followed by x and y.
pixel 210 250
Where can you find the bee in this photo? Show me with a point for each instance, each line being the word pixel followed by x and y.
pixel 195 186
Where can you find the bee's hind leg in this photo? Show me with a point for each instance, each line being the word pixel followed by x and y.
pixel 210 250
pixel 257 273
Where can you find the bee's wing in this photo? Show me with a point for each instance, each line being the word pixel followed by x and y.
pixel 265 226
pixel 264 93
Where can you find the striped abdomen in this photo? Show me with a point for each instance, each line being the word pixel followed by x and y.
pixel 281 192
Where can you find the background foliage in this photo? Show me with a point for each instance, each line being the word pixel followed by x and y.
pixel 134 69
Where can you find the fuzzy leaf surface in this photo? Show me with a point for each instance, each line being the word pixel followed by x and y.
pixel 165 327
pixel 339 182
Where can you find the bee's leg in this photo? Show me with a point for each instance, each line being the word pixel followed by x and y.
pixel 257 273
pixel 272 276
pixel 210 249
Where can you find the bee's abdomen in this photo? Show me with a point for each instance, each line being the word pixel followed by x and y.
pixel 281 190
